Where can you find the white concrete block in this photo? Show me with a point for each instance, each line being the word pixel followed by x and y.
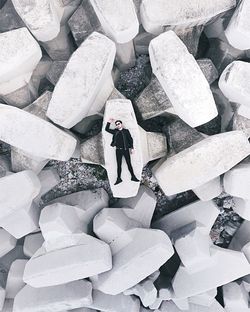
pixel 110 223
pixel 237 181
pixel 20 54
pixel 43 139
pixel 204 213
pixel 169 306
pixel 74 257
pixel 202 162
pixel 181 304
pixel 235 297
pixel 7 242
pixel 189 94
pixel 56 298
pixel 118 19
pixel 108 303
pixel 147 249
pixel 49 178
pixel 32 243
pixel 209 190
pixel 242 207
pixel 157 14
pixel 122 110
pixel 69 93
pixel 218 273
pixel 15 278
pixel 238 29
pixel 233 82
pixel 42 17
pixel 241 237
pixel 204 299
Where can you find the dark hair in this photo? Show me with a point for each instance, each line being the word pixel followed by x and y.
pixel 118 121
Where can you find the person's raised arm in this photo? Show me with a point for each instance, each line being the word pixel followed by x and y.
pixel 130 139
pixel 107 128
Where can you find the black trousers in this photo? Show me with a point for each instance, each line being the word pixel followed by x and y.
pixel 119 154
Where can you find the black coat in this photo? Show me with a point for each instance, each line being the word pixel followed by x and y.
pixel 118 135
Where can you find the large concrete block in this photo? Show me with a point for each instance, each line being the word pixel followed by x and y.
pixel 140 207
pixel 42 140
pixel 122 110
pixel 56 298
pixel 209 190
pixel 242 207
pixel 157 14
pixel 235 297
pixel 169 306
pixel 205 299
pixel 92 150
pixel 237 181
pixel 32 243
pixel 7 242
pixel 15 278
pixel 49 178
pixel 146 249
pixel 74 257
pixel 241 123
pixel 20 54
pixel 190 95
pixel 202 162
pixel 70 103
pixel 9 19
pixel 238 29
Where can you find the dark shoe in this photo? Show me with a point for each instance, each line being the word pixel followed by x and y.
pixel 119 180
pixel 134 178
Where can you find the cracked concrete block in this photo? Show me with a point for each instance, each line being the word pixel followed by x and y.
pixel 202 162
pixel 74 257
pixel 56 298
pixel 7 242
pixel 155 15
pixel 209 190
pixel 20 56
pixel 140 207
pixel 15 278
pixel 197 106
pixel 51 142
pixel 98 50
pixel 32 243
pixel 108 303
pixel 238 29
pixel 122 110
pixel 155 250
pixel 237 181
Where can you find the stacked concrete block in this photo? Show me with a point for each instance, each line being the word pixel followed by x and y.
pixel 155 15
pixel 20 55
pixel 97 50
pixel 196 107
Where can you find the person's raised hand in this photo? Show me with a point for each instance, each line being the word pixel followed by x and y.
pixel 132 151
pixel 111 120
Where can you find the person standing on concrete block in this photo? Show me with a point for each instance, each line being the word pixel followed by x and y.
pixel 123 142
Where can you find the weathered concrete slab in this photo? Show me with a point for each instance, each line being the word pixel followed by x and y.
pixel 123 110
pixel 238 29
pixel 157 14
pixel 147 249
pixel 7 242
pixel 98 50
pixel 202 162
pixel 190 96
pixel 43 139
pixel 56 298
pixel 82 255
pixel 15 278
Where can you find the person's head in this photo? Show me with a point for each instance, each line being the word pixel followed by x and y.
pixel 118 124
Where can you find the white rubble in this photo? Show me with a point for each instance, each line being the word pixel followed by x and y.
pixel 43 139
pixel 15 278
pixel 74 257
pixel 159 13
pixel 237 181
pixel 118 19
pixel 242 207
pixel 235 297
pixel 108 303
pixel 140 207
pixel 122 110
pixel 141 248
pixel 20 53
pixel 186 86
pixel 209 190
pixel 238 29
pixel 202 162
pixel 71 103
pixel 32 243
pixel 42 17
pixel 7 242
pixel 56 298
pixel 233 83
